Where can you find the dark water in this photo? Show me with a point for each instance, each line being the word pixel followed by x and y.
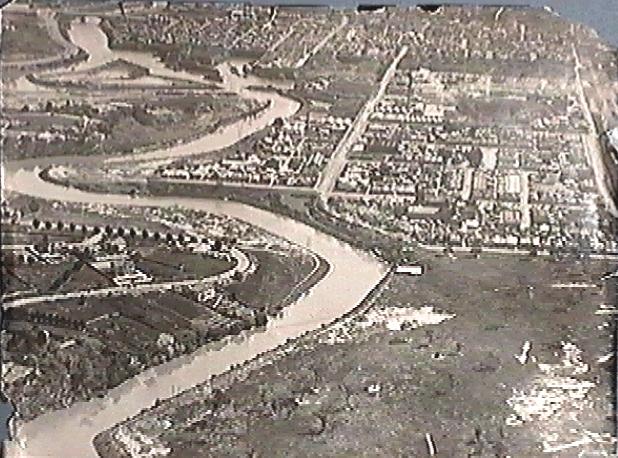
pixel 602 15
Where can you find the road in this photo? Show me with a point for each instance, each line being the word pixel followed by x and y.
pixel 316 49
pixel 235 184
pixel 510 251
pixel 524 201
pixel 592 143
pixel 242 265
pixel 335 165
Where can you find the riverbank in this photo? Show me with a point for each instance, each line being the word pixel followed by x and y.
pixel 334 295
pixel 74 428
pixel 298 204
pixel 304 206
pixel 289 270
pixel 107 446
pixel 414 345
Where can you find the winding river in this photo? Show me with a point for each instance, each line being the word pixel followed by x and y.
pixel 69 432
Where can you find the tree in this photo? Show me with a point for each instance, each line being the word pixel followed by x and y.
pixel 60 225
pixel 34 206
pixel 36 223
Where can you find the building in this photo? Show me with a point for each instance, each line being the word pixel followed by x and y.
pixel 159 4
pixel 409 270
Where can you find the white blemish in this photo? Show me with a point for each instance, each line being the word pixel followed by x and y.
pixel 431 447
pixel 605 358
pixel 553 401
pixel 525 349
pixel 393 318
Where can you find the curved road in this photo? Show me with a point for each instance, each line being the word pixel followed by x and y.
pixel 69 432
pixel 242 265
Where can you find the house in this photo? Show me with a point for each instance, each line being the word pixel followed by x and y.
pixel 158 4
pixel 134 278
pixel 109 261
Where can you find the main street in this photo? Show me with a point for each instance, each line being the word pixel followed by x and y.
pixel 591 141
pixel 336 164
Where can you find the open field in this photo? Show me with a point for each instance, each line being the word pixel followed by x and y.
pixel 269 288
pixel 421 358
pixel 96 125
pixel 24 36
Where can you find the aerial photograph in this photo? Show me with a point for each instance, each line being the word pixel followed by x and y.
pixel 265 230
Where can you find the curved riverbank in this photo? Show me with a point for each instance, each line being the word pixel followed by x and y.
pixel 106 445
pixel 333 296
pixel 351 274
pixel 69 54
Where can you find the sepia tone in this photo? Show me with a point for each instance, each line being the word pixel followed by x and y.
pixel 235 230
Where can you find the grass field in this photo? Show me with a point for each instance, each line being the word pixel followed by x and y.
pixel 269 288
pixel 24 37
pixel 170 264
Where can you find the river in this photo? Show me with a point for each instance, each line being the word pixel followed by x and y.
pixel 69 432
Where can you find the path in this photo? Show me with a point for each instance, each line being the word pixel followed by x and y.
pixel 242 264
pixel 316 49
